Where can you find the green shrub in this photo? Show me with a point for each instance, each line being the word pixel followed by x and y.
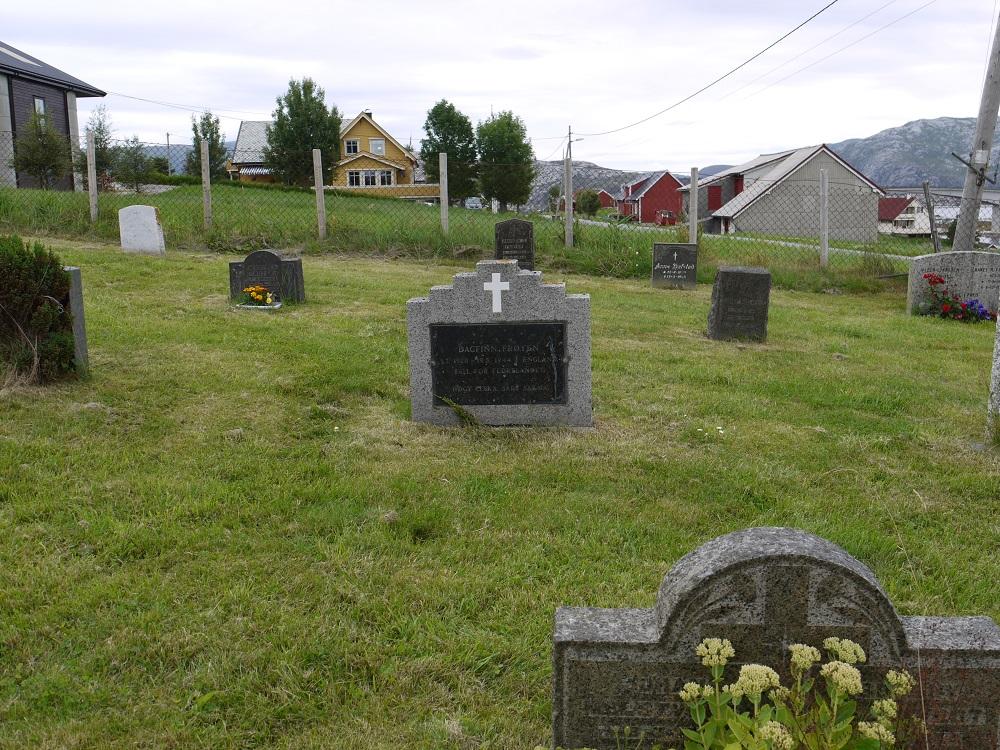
pixel 36 330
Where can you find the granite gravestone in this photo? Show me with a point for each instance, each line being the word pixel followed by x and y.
pixel 969 275
pixel 281 276
pixel 740 300
pixel 763 589
pixel 140 230
pixel 675 266
pixel 515 240
pixel 80 356
pixel 501 347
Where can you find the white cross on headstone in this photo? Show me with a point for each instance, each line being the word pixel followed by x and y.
pixel 675 256
pixel 496 287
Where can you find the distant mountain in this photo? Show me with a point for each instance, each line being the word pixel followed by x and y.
pixel 178 154
pixel 713 169
pixel 586 175
pixel 920 150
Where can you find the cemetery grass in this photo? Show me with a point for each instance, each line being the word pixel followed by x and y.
pixel 231 536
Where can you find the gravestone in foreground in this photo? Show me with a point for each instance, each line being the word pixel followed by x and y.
pixel 80 355
pixel 675 265
pixel 140 230
pixel 282 276
pixel 968 274
pixel 503 348
pixel 740 300
pixel 515 240
pixel 764 589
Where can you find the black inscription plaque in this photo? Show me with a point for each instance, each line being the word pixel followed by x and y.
pixel 515 240
pixel 740 301
pixel 499 363
pixel 282 276
pixel 675 266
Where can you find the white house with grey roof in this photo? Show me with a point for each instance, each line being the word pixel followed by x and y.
pixel 778 194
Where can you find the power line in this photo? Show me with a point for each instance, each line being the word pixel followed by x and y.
pixel 191 107
pixel 719 79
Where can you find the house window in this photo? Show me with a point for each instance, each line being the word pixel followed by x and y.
pixel 351 147
pixel 354 178
pixel 39 106
pixel 385 177
pixel 370 177
pixel 377 146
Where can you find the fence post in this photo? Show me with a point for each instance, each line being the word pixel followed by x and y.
pixel 206 184
pixel 693 207
pixel 92 175
pixel 443 187
pixel 824 218
pixel 930 215
pixel 569 196
pixel 320 192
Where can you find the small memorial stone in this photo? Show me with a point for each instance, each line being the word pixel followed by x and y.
pixel 515 240
pixel 281 276
pixel 764 589
pixel 501 348
pixel 740 299
pixel 80 356
pixel 967 274
pixel 140 230
pixel 675 266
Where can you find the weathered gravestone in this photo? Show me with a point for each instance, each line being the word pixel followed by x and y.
pixel 740 300
pixel 764 589
pixel 140 230
pixel 282 276
pixel 80 355
pixel 675 266
pixel 501 347
pixel 515 240
pixel 967 274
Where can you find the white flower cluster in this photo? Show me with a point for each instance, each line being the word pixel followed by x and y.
pixel 845 677
pixel 875 731
pixel 754 679
pixel 777 735
pixel 845 650
pixel 715 652
pixel 900 683
pixel 803 656
pixel 885 710
pixel 693 692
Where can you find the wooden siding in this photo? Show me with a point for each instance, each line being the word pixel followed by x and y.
pixel 22 95
pixel 362 132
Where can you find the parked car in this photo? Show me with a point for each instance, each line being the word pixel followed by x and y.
pixel 475 202
pixel 665 218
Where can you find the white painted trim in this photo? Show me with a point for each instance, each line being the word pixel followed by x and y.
pixel 363 116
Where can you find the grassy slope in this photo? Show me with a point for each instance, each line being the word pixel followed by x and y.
pixel 164 585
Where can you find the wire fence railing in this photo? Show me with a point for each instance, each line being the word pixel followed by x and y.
pixel 808 231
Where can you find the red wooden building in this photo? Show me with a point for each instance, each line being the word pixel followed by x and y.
pixel 656 194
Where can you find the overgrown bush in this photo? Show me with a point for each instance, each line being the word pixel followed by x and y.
pixel 36 330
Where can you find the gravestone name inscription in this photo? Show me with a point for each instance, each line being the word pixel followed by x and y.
pixel 763 589
pixel 281 276
pixel 515 240
pixel 740 301
pixel 967 274
pixel 675 265
pixel 502 347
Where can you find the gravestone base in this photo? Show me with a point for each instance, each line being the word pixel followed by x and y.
pixel 740 302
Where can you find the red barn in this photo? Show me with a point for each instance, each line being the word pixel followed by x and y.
pixel 607 199
pixel 650 195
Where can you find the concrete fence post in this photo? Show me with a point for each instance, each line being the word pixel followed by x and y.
pixel 569 198
pixel 824 218
pixel 92 175
pixel 320 192
pixel 443 186
pixel 693 206
pixel 206 184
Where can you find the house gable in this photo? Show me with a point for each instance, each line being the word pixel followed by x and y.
pixel 363 128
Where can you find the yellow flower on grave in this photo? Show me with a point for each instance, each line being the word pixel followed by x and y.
pixel 874 731
pixel 755 679
pixel 715 652
pixel 900 683
pixel 885 710
pixel 803 656
pixel 845 650
pixel 845 677
pixel 777 735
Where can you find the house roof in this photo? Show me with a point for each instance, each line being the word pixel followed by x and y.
pixel 756 163
pixel 892 206
pixel 250 142
pixel 365 115
pixel 19 64
pixel 649 182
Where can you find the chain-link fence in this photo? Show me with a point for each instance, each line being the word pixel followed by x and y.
pixel 810 231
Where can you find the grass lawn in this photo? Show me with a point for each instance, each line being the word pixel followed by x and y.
pixel 336 576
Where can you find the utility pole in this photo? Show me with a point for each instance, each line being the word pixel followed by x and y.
pixel 569 188
pixel 972 193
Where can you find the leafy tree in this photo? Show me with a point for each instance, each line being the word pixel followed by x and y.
pixel 99 123
pixel 131 165
pixel 159 164
pixel 506 159
pixel 554 192
pixel 588 202
pixel 42 152
pixel 302 122
pixel 450 132
pixel 207 127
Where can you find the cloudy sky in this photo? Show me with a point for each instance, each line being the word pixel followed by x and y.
pixel 596 66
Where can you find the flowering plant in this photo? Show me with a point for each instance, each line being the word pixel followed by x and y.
pixel 944 304
pixel 816 712
pixel 258 295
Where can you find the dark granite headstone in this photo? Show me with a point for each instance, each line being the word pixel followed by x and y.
pixel 675 266
pixel 764 589
pixel 80 356
pixel 282 276
pixel 740 299
pixel 515 240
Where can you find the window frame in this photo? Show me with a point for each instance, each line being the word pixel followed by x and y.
pixel 371 146
pixel 40 100
pixel 354 178
pixel 369 174
pixel 347 146
pixel 385 177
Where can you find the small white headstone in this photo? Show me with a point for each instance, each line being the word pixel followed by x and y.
pixel 141 231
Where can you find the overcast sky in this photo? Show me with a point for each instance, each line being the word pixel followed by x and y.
pixel 593 65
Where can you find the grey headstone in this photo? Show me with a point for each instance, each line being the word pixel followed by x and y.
pixel 763 589
pixel 740 300
pixel 515 240
pixel 526 363
pixel 972 274
pixel 80 356
pixel 675 266
pixel 282 276
pixel 140 230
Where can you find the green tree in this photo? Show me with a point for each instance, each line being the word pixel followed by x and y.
pixel 42 152
pixel 588 202
pixel 555 191
pixel 131 166
pixel 207 127
pixel 99 123
pixel 449 131
pixel 159 164
pixel 506 159
pixel 302 122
